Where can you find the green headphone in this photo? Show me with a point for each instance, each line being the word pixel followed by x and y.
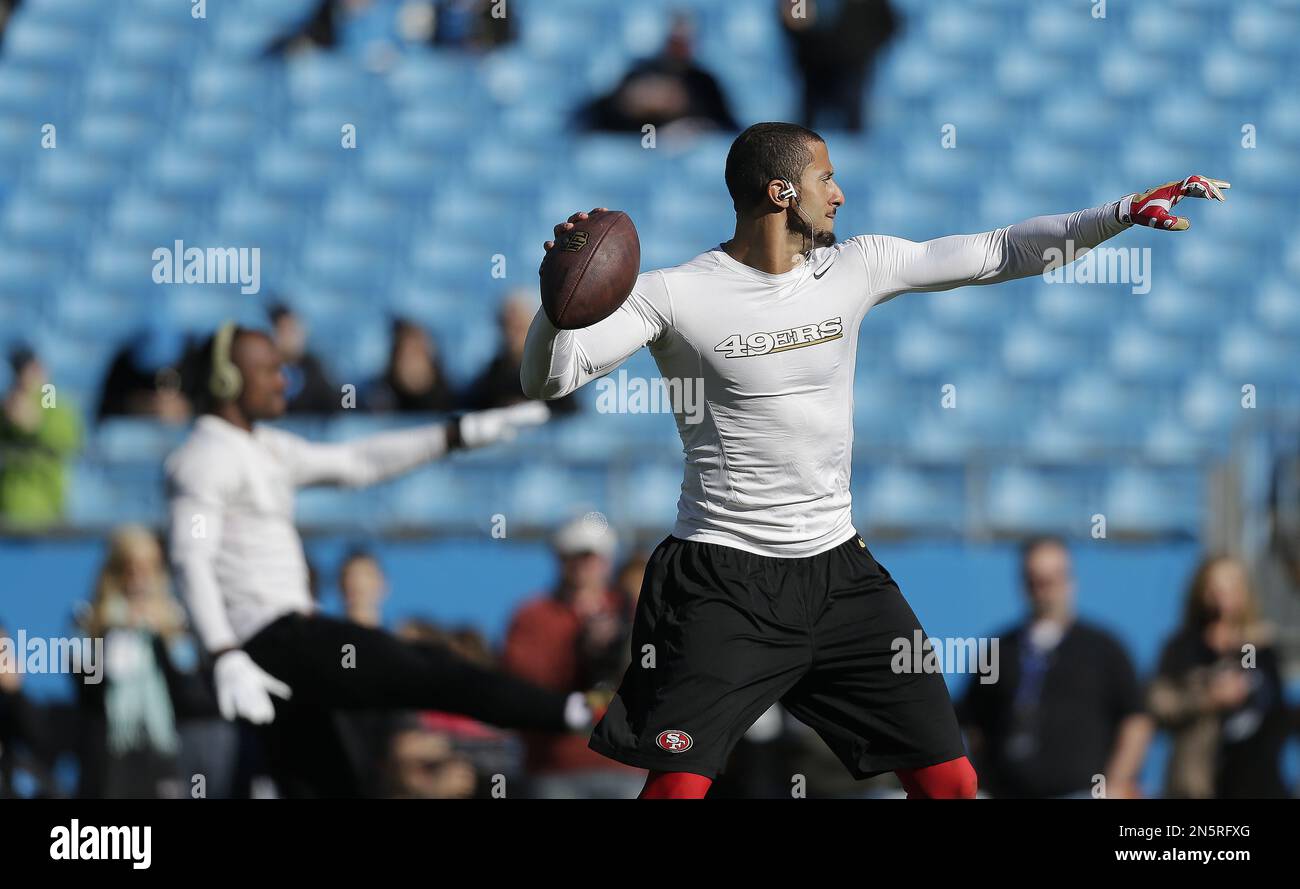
pixel 225 381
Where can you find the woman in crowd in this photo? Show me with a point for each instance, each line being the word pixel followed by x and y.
pixel 132 733
pixel 1218 689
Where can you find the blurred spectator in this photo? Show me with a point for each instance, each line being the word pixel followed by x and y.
pixel 16 722
pixel 835 45
pixel 498 384
pixel 380 29
pixel 363 587
pixel 366 735
pixel 628 579
pixel 1067 705
pixel 489 750
pixel 1219 690
pixel 413 381
pixel 131 735
pixel 39 432
pixel 318 31
pixel 571 639
pixel 669 89
pixel 7 8
pixel 307 387
pixel 423 764
pixel 144 377
pixel 391 751
pixel 473 24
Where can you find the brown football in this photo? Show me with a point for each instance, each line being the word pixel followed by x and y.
pixel 590 270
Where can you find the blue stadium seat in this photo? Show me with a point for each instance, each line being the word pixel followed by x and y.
pixel 896 497
pixel 1211 402
pixel 222 83
pixel 541 495
pixel 1269 168
pixel 1237 75
pixel 25 270
pixel 1031 351
pixel 1022 74
pixel 407 172
pixel 117 134
pixel 72 174
pixel 1022 501
pixel 956 171
pixel 441 130
pixel 1168 440
pixel 1097 402
pixel 1129 76
pixel 1277 308
pixel 335 508
pixel 112 314
pixel 924 350
pixel 913 71
pixel 1080 117
pixel 319 78
pixel 37 220
pixel 146 40
pixel 1145 501
pixel 230 132
pixel 1137 353
pixel 1054 438
pixel 121 86
pixel 47 43
pixel 180 170
pixel 1272 28
pixel 646 496
pixel 437 494
pixel 937 437
pixel 1219 267
pixel 136 440
pixel 291 169
pixel 250 216
pixel 141 216
pixel 425 79
pixel 1253 355
pixel 511 78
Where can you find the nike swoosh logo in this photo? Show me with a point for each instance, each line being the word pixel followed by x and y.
pixel 818 275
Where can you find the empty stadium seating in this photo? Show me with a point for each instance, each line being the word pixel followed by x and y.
pixel 1072 398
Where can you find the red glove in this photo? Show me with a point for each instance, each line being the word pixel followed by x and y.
pixel 1152 207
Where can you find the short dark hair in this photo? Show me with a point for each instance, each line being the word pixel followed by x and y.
pixel 358 553
pixel 764 152
pixel 1037 542
pixel 278 310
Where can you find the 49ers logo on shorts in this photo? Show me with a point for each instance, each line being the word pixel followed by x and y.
pixel 675 741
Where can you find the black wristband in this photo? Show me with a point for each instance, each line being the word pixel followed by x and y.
pixel 454 439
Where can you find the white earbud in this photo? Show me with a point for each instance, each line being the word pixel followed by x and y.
pixel 787 192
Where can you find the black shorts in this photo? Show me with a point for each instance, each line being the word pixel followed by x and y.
pixel 731 633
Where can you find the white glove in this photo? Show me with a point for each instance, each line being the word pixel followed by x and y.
pixel 245 689
pixel 502 423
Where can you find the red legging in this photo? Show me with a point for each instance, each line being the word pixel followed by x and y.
pixel 954 779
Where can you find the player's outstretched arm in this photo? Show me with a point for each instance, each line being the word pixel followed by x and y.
pixel 556 362
pixel 1026 248
pixel 376 458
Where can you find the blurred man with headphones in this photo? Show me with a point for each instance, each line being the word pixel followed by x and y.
pixel 240 563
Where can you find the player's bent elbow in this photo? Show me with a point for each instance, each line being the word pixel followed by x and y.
pixel 542 389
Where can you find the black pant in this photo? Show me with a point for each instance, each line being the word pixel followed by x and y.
pixel 332 664
pixel 733 632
